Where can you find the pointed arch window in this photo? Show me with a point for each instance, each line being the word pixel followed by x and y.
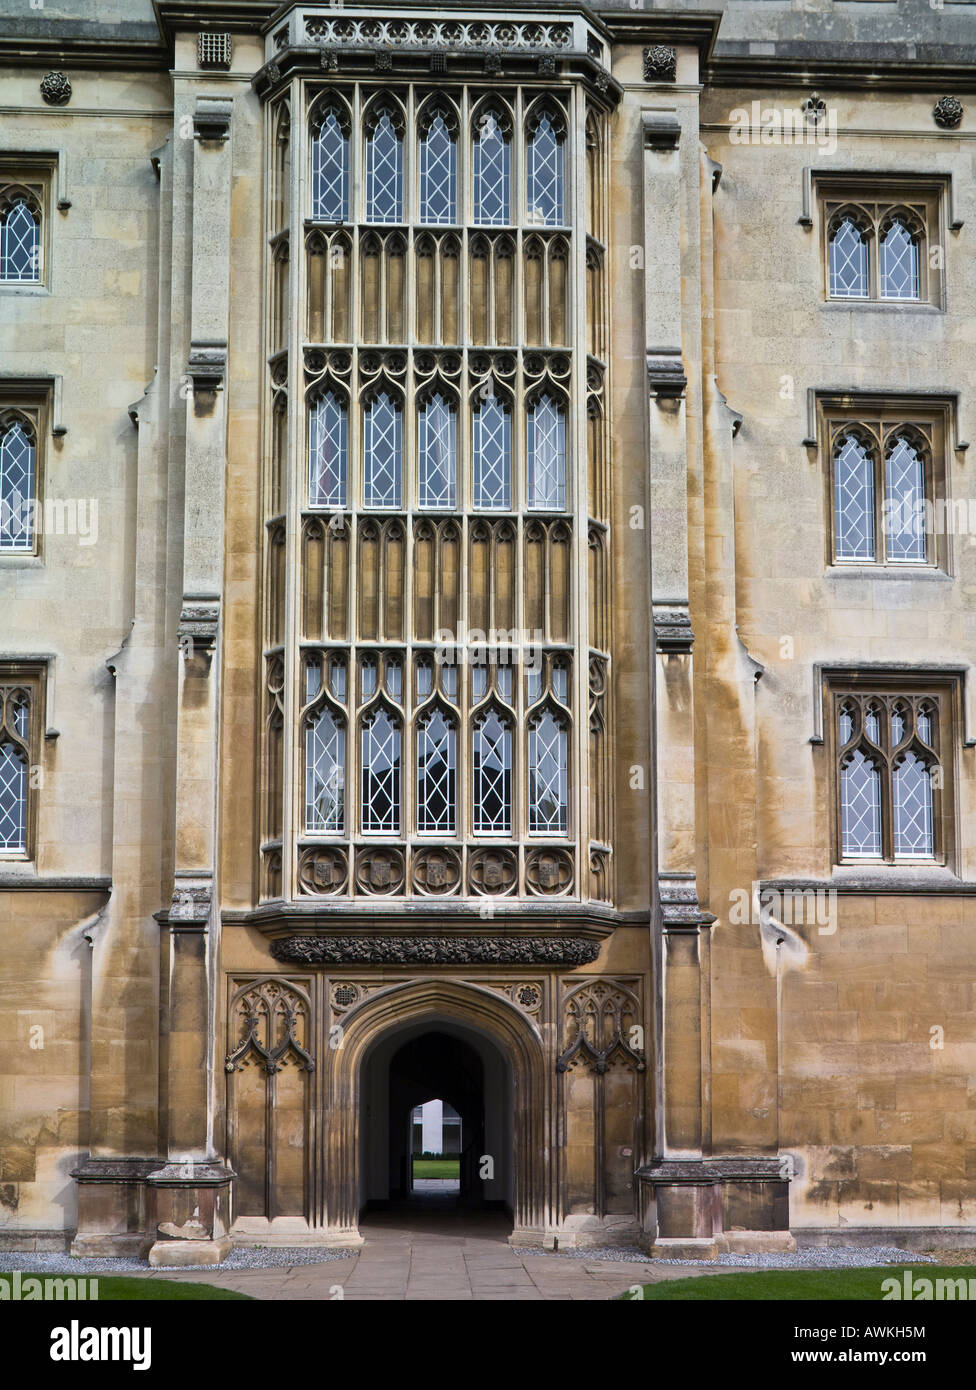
pixel 325 773
pixel 437 452
pixel 436 774
pixel 848 260
pixel 546 172
pixel 380 761
pixel 854 500
pixel 18 484
pixel 382 453
pixel 492 169
pixel 20 240
pixel 438 169
pixel 899 262
pixel 491 429
pixel 547 454
pixel 905 530
pixel 492 774
pixel 16 722
pixel 384 166
pixel 548 775
pixel 912 800
pixel 330 166
pixel 860 801
pixel 328 443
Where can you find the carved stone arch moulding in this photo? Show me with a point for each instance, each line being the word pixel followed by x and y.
pixel 603 1026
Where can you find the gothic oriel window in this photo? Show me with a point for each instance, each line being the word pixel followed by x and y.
pixel 491 427
pixel 20 699
pixel 492 167
pixel 328 426
pixel 885 477
pixel 438 165
pixel 436 773
pixel 547 454
pixel 492 768
pixel 18 481
pixel 545 168
pixel 384 163
pixel 380 763
pixel 20 235
pixel 437 452
pixel 330 164
pixel 883 238
pixel 891 773
pixel 382 452
pixel 548 774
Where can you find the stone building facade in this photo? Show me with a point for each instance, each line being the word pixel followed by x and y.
pixel 486 580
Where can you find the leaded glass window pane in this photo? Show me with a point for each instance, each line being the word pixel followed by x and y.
pixel 924 725
pixel 436 775
pixel 848 262
pixel 437 453
pixel 548 776
pixel 327 453
pixel 16 489
pixel 20 245
pixel 846 725
pixel 547 455
pixel 545 176
pixel 438 175
pixel 912 797
pixel 330 170
pixel 853 501
pixel 384 172
pixel 492 776
pixel 381 774
pixel 325 773
pixel 905 503
pixel 13 798
pixel 560 681
pixel 872 724
pixel 492 159
pixel 899 263
pixel 492 448
pixel 897 727
pixel 383 453
pixel 860 806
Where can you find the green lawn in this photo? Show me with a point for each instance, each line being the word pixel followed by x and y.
pixel 779 1285
pixel 120 1290
pixel 436 1168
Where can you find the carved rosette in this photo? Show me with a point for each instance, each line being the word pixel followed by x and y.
pixel 56 89
pixel 660 63
pixel 380 872
pixel 947 112
pixel 323 870
pixel 436 872
pixel 549 871
pixel 493 872
pixel 345 995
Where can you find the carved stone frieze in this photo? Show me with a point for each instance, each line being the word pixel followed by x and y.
pixel 436 950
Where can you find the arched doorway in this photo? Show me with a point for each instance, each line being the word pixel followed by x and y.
pixel 510 1098
pixel 436 1059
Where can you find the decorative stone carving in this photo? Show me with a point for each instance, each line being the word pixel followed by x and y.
pixel 384 60
pixel 272 1020
pixel 547 65
pixel 438 63
pixel 493 872
pixel 436 950
pixel 198 626
pixel 673 631
pixel 211 121
pixel 190 905
pixel 666 376
pixel 329 60
pixel 323 870
pixel 343 995
pixel 271 867
pixel 56 89
pixel 549 871
pixel 449 34
pixel 602 80
pixel 493 64
pixel 214 50
pixel 680 908
pixel 527 997
pixel 380 871
pixel 436 871
pixel 603 1026
pixel 947 112
pixel 600 874
pixel 660 63
pixel 814 109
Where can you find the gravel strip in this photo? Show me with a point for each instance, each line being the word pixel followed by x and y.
pixel 244 1257
pixel 811 1257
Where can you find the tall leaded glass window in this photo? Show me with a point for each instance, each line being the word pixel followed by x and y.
pixel 384 165
pixel 382 453
pixel 548 775
pixel 547 454
pixel 327 452
pixel 854 500
pixel 330 165
pixel 545 171
pixel 18 483
pixel 889 767
pixel 848 261
pixel 325 773
pixel 437 452
pixel 492 774
pixel 15 722
pixel 491 431
pixel 905 530
pixel 899 262
pixel 20 240
pixel 438 167
pixel 380 762
pixel 436 774
pixel 492 168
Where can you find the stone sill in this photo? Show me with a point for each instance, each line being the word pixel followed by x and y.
pixel 898 882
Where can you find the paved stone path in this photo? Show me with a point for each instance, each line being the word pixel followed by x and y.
pixel 429 1250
